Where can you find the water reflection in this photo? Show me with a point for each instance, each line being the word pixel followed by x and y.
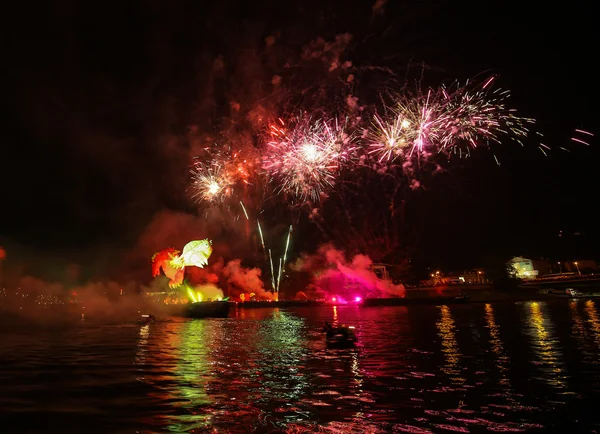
pixel 447 332
pixel 173 359
pixel 545 346
pixel 142 350
pixel 502 360
pixel 594 321
pixel 191 376
pixel 282 353
pixel 271 372
pixel 579 331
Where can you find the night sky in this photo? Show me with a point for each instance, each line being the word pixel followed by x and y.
pixel 98 97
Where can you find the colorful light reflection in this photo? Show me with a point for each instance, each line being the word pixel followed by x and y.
pixel 341 300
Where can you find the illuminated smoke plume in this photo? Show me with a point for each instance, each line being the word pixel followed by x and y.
pixel 247 280
pixel 337 277
pixel 208 291
pixel 235 279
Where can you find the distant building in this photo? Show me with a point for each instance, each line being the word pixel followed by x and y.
pixel 476 276
pixel 543 266
pixel 584 266
pixel 523 268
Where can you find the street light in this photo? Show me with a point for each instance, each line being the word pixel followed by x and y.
pixel 577 266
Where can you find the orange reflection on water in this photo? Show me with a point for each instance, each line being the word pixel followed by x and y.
pixel 447 332
pixel 594 321
pixel 544 345
pixel 502 360
pixel 579 330
pixel 142 350
pixel 240 312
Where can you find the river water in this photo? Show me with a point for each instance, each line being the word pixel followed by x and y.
pixel 517 367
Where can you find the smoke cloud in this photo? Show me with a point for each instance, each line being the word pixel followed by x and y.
pixel 49 303
pixel 209 292
pixel 234 279
pixel 336 276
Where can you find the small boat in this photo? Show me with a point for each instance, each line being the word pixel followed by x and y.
pixel 207 309
pixel 144 319
pixel 339 337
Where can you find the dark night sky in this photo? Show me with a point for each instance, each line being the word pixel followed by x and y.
pixel 92 89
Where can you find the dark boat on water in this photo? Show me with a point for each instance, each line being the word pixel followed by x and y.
pixel 208 309
pixel 339 337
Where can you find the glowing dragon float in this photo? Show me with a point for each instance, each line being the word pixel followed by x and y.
pixel 173 262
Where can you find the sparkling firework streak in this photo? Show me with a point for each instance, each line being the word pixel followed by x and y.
pixel 282 261
pixel 305 159
pixel 262 240
pixel 279 275
pixel 287 245
pixel 244 208
pixel 449 120
pixel 585 133
pixel 272 272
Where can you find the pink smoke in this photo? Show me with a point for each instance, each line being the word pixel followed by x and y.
pixel 351 281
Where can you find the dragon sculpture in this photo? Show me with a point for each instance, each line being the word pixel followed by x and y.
pixel 173 262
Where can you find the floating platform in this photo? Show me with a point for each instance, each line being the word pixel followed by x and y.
pixel 281 303
pixel 207 309
pixel 401 301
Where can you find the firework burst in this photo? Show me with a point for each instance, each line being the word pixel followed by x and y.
pixel 210 182
pixel 221 173
pixel 304 159
pixel 447 120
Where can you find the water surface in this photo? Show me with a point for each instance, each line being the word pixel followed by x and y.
pixel 504 367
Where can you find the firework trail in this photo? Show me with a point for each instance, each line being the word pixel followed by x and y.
pixel 244 208
pixel 304 159
pixel 272 272
pixel 279 275
pixel 584 134
pixel 287 245
pixel 262 240
pixel 283 259
pixel 453 120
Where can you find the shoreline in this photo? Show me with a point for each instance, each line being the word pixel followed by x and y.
pixel 71 313
pixel 419 298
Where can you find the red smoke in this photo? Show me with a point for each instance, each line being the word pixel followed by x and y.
pixel 232 278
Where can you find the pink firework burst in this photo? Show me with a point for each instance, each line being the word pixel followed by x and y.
pixel 446 120
pixel 304 159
